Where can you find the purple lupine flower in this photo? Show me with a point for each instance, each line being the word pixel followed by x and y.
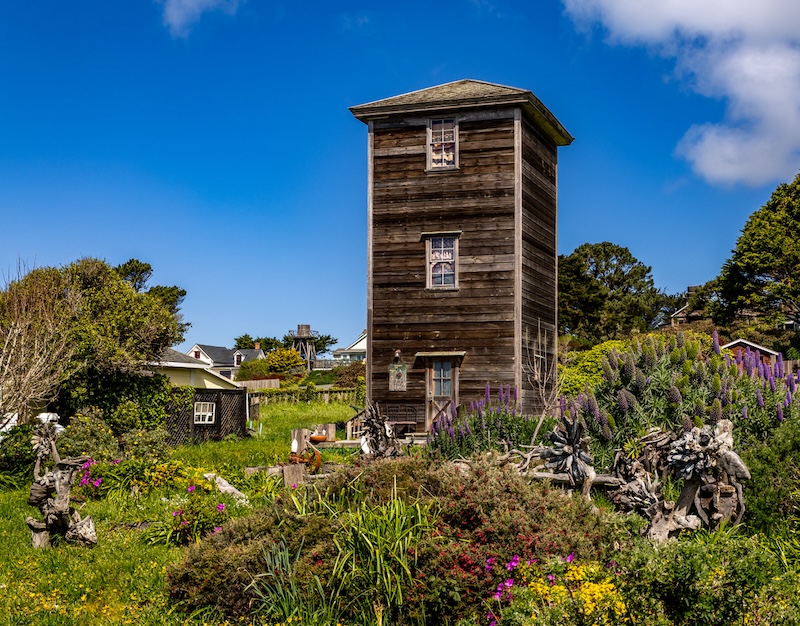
pixel 780 412
pixel 779 365
pixel 744 413
pixel 760 369
pixel 772 384
pixel 452 433
pixel 727 360
pixel 759 398
pixel 469 430
pixel 792 384
pixel 715 342
pixel 674 395
pixel 739 359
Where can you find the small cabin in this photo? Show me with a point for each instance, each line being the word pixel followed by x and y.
pixel 462 227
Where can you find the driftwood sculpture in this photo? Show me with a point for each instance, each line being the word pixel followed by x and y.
pixel 703 458
pixel 378 439
pixel 50 493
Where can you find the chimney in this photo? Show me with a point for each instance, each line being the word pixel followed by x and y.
pixel 258 345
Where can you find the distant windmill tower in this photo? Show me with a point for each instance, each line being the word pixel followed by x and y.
pixel 304 341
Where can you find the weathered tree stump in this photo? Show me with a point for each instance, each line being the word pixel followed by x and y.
pixel 50 493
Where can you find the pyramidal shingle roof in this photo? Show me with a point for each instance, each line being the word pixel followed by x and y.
pixel 463 94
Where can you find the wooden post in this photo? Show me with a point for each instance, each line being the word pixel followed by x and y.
pixel 300 440
pixel 294 474
pixel 330 431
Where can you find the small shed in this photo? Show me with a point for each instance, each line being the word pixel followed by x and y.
pixel 213 415
pixel 768 357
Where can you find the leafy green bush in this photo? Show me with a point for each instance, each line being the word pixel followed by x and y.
pixel 88 435
pixel 148 446
pixel 773 493
pixel 580 369
pixel 125 417
pixel 725 580
pixel 16 457
pixel 347 375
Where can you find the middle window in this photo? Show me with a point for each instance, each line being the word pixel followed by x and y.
pixel 442 261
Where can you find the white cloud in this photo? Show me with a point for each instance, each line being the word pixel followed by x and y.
pixel 746 52
pixel 179 15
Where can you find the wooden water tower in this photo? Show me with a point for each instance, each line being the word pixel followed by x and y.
pixel 462 209
pixel 304 341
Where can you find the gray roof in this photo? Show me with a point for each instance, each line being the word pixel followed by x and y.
pixel 218 354
pixel 249 354
pixel 463 94
pixel 173 356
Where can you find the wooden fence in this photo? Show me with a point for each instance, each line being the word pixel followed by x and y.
pixel 294 396
pixel 267 383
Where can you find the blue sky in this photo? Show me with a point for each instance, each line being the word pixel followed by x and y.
pixel 212 138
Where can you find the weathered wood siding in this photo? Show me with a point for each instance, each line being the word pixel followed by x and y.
pixel 539 255
pixel 478 200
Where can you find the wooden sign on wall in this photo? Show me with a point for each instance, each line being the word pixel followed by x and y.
pixel 397 377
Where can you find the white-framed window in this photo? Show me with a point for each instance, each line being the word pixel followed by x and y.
pixel 443 144
pixel 441 252
pixel 237 360
pixel 204 412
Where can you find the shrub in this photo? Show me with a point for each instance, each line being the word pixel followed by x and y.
pixel 125 417
pixel 88 435
pixel 773 493
pixel 348 375
pixel 16 456
pixel 147 446
pixel 193 517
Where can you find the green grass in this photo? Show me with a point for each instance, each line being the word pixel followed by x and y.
pixel 121 580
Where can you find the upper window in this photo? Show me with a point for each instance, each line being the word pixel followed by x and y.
pixel 442 253
pixel 237 360
pixel 443 144
pixel 204 412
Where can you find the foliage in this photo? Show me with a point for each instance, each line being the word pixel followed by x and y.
pixel 17 457
pixel 760 275
pixel 675 383
pixel 584 368
pixel 126 400
pixel 88 435
pixel 489 425
pixel 348 375
pixel 283 360
pixel 36 350
pixel 255 369
pixel 606 293
pixel 194 516
pixel 559 591
pixel 147 446
pixel 773 493
pixel 267 344
pixel 716 583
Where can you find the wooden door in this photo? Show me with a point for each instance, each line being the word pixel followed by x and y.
pixel 442 388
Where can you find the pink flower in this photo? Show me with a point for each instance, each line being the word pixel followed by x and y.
pixel 513 563
pixel 98 482
pixel 294 485
pixel 176 513
pixel 191 488
pixel 571 557
pixel 217 529
pixel 489 563
pixel 115 462
pixel 185 523
pixel 220 507
pixel 551 578
pixel 509 583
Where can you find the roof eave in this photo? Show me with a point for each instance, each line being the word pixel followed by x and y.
pixel 527 101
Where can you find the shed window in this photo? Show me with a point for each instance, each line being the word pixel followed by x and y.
pixel 442 253
pixel 442 144
pixel 204 412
